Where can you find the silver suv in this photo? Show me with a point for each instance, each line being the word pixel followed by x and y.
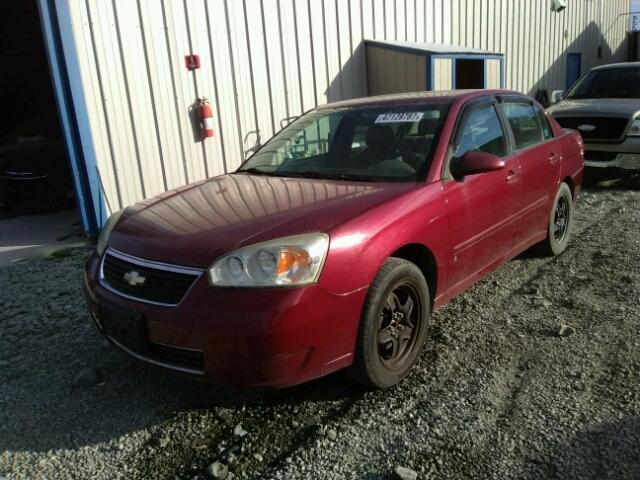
pixel 604 106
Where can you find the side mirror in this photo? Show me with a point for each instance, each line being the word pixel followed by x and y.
pixel 556 96
pixel 475 162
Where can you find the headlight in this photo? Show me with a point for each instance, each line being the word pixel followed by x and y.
pixel 634 129
pixel 285 261
pixel 105 233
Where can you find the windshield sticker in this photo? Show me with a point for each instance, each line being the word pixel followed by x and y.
pixel 399 117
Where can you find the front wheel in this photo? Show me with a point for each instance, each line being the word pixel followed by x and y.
pixel 560 222
pixel 393 325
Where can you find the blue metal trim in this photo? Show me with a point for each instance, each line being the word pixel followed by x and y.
pixel 82 115
pixel 454 77
pixel 467 56
pixel 65 114
pixel 485 73
pixel 65 72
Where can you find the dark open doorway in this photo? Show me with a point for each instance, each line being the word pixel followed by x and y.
pixel 38 209
pixel 35 174
pixel 469 73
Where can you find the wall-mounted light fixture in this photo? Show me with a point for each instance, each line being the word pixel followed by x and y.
pixel 559 5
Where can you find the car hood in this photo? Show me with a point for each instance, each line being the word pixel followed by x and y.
pixel 195 224
pixel 625 107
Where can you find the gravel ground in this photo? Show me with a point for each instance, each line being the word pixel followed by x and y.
pixel 503 390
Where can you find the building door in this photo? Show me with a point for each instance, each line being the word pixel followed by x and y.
pixel 574 67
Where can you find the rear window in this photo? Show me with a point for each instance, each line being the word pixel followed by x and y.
pixel 524 124
pixel 547 133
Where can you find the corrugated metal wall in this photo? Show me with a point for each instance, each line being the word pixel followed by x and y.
pixel 263 61
pixel 390 71
pixel 442 73
pixel 492 73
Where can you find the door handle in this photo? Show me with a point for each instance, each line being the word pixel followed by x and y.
pixel 512 176
pixel 553 158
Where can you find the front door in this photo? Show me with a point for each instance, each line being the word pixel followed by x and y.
pixel 540 156
pixel 481 208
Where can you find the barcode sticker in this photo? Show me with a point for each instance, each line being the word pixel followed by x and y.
pixel 399 117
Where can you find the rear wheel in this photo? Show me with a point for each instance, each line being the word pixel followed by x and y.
pixel 560 222
pixel 393 325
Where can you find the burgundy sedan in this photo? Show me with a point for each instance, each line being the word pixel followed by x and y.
pixel 330 246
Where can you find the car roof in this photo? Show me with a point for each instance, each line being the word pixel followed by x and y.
pixel 618 65
pixel 440 96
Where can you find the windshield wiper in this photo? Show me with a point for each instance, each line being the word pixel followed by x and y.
pixel 254 171
pixel 329 176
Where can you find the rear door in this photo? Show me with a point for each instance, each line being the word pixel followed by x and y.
pixel 539 154
pixel 481 208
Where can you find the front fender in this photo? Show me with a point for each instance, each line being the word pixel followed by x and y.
pixel 359 248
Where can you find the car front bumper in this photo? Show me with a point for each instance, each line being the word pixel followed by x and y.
pixel 260 337
pixel 624 155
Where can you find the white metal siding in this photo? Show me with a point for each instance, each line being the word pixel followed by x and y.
pixel 492 69
pixel 265 60
pixel 442 74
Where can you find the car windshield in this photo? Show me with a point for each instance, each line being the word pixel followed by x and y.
pixel 365 144
pixel 608 83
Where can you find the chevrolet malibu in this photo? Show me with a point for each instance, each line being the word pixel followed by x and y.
pixel 331 245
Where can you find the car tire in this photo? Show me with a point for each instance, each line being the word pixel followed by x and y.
pixel 560 223
pixel 393 325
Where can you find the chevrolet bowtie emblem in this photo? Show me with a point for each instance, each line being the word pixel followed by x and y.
pixel 133 278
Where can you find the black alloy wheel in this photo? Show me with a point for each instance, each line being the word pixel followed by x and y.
pixel 561 219
pixel 393 325
pixel 397 332
pixel 560 222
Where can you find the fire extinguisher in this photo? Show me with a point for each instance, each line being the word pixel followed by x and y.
pixel 206 117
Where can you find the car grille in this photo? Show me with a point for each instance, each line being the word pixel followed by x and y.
pixel 599 156
pixel 145 280
pixel 606 128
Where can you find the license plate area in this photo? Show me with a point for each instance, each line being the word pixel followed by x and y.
pixel 126 326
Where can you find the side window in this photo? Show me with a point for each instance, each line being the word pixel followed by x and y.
pixel 524 123
pixel 481 130
pixel 547 133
